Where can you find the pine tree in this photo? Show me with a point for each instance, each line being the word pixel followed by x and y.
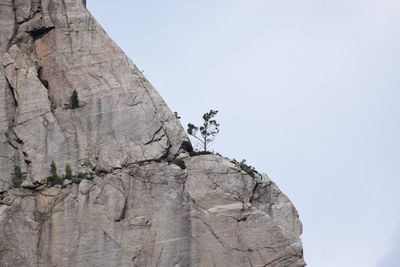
pixel 74 100
pixel 206 133
pixel 68 172
pixel 54 178
pixel 53 170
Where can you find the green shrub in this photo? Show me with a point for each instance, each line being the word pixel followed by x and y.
pixel 55 179
pixel 76 179
pixel 85 175
pixel 250 170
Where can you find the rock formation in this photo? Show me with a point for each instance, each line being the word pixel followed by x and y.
pixel 151 203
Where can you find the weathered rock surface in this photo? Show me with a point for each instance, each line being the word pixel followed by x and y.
pixel 141 209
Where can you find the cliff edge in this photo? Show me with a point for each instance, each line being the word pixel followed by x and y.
pixel 148 202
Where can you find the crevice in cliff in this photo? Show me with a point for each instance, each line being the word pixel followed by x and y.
pixel 67 23
pixel 186 146
pixel 15 31
pixel 39 243
pixel 282 261
pixel 159 256
pixel 108 236
pixel 260 190
pixel 40 32
pixel 154 139
pixel 160 159
pixel 123 211
pixel 42 217
pixel 252 195
pixel 32 13
pixel 212 232
pixel 14 94
pixel 18 144
pixel 36 7
pixel 144 85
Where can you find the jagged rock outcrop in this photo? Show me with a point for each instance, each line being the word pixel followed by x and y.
pixel 142 208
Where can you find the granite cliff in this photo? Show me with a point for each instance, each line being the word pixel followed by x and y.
pixel 141 208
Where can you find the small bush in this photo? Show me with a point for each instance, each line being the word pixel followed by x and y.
pixel 180 163
pixel 76 179
pixel 85 175
pixel 199 153
pixel 250 170
pixel 55 181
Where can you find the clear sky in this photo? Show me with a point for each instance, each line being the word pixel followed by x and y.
pixel 308 92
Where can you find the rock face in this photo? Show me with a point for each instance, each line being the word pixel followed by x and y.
pixel 142 208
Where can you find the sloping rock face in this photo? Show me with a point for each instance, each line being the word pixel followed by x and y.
pixel 141 208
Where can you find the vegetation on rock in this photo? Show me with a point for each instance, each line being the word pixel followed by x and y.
pixel 74 100
pixel 250 170
pixel 85 176
pixel 199 153
pixel 54 179
pixel 68 172
pixel 205 134
pixel 18 177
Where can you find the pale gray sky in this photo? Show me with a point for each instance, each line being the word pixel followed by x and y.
pixel 308 92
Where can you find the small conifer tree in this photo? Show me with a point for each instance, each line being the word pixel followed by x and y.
pixel 54 178
pixel 68 172
pixel 205 134
pixel 53 170
pixel 74 100
pixel 18 177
